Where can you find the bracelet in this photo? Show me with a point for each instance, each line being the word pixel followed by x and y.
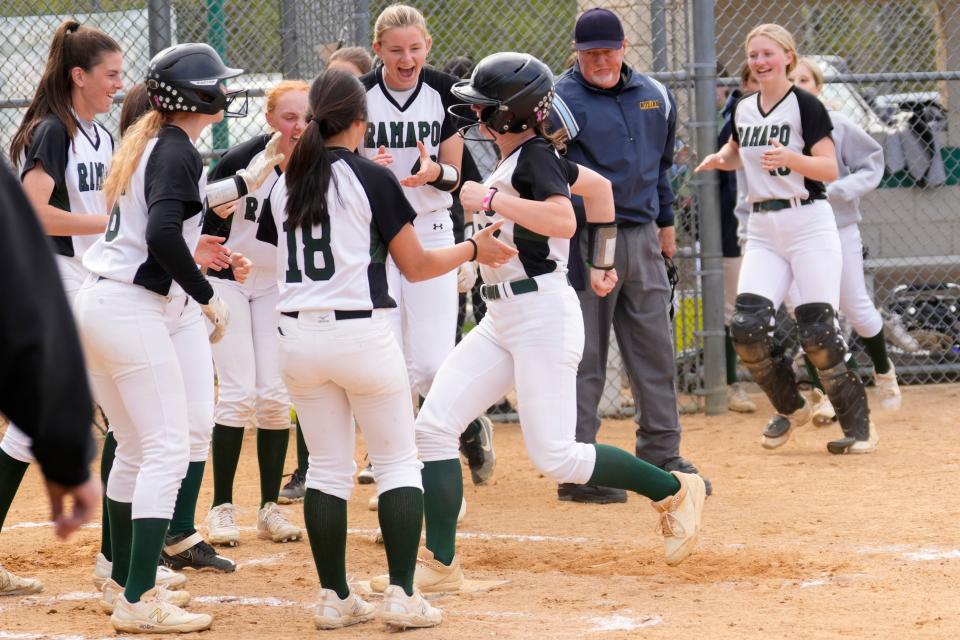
pixel 474 243
pixel 488 199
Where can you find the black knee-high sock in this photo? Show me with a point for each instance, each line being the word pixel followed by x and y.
pixel 617 468
pixel 303 454
pixel 225 446
pixel 106 463
pixel 400 513
pixel 442 495
pixel 326 520
pixel 185 509
pixel 876 347
pixel 11 475
pixel 271 452
pixel 121 539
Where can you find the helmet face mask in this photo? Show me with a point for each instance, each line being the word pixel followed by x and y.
pixel 189 78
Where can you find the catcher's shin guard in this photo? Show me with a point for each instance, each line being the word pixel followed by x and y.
pixel 750 330
pixel 823 344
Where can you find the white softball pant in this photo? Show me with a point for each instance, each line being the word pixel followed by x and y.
pixel 425 321
pixel 150 364
pixel 334 366
pixel 16 443
pixel 247 357
pixel 800 245
pixel 532 342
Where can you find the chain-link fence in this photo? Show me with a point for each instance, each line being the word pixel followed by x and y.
pixel 890 65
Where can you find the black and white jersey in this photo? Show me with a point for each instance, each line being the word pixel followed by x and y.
pixel 240 229
pixel 78 167
pixel 340 264
pixel 533 171
pixel 421 116
pixel 170 169
pixel 797 122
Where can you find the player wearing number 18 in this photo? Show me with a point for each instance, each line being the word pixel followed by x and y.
pixel 339 215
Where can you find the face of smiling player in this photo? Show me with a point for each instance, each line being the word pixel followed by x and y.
pixel 404 52
pixel 768 61
pixel 289 118
pixel 93 90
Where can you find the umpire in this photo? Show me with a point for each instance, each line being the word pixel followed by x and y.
pixel 625 130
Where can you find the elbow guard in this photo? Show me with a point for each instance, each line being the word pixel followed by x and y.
pixel 602 244
pixel 226 190
pixel 448 179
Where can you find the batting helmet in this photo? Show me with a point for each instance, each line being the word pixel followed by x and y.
pixel 514 89
pixel 187 77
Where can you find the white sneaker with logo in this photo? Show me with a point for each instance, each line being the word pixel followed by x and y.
pixel 153 614
pixel 13 585
pixel 400 611
pixel 334 613
pixel 222 525
pixel 273 525
pixel 888 389
pixel 112 591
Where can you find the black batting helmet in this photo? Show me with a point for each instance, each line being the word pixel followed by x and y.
pixel 514 89
pixel 187 77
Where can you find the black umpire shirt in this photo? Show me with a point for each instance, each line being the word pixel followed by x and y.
pixel 43 380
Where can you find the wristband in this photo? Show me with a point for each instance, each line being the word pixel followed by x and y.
pixel 448 179
pixel 488 200
pixel 475 250
pixel 602 244
pixel 226 190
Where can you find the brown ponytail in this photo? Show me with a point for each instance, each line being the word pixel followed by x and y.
pixel 73 45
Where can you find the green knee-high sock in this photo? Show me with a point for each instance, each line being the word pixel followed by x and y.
pixel 271 452
pixel 148 535
pixel 442 495
pixel 225 445
pixel 121 539
pixel 11 475
pixel 106 463
pixel 184 511
pixel 303 454
pixel 401 519
pixel 326 520
pixel 731 355
pixel 876 348
pixel 812 372
pixel 621 470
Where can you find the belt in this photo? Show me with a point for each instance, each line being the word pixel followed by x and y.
pixel 778 204
pixel 339 315
pixel 499 290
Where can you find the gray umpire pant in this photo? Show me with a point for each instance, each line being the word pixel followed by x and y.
pixel 638 310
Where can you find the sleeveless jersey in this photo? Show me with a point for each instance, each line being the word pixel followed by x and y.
pixel 423 117
pixel 532 171
pixel 170 169
pixel 240 229
pixel 78 167
pixel 797 122
pixel 340 264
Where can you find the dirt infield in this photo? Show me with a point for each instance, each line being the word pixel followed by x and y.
pixel 796 544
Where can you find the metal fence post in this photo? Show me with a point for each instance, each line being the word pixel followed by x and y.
pixel 658 25
pixel 217 37
pixel 158 18
pixel 289 50
pixel 704 70
pixel 361 23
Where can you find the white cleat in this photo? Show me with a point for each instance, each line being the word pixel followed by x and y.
pixel 112 591
pixel 823 412
pixel 888 389
pixel 153 614
pixel 333 613
pixel 222 525
pixel 430 576
pixel 738 400
pixel 13 585
pixel 166 576
pixel 273 525
pixel 681 516
pixel 401 611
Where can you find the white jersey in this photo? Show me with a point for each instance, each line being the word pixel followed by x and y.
pixel 78 167
pixel 797 122
pixel 339 265
pixel 532 171
pixel 422 117
pixel 240 229
pixel 170 169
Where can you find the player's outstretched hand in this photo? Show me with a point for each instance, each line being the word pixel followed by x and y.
pixel 383 158
pixel 602 281
pixel 491 251
pixel 211 253
pixel 86 502
pixel 241 266
pixel 218 313
pixel 427 171
pixel 262 166
pixel 711 162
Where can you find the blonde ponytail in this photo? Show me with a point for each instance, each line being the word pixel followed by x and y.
pixel 127 157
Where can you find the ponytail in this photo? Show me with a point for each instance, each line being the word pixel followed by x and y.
pixel 336 100
pixel 73 45
pixel 127 157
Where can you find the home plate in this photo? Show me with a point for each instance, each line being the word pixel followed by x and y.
pixel 468 586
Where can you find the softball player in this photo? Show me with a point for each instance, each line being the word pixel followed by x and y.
pixel 860 164
pixel 144 335
pixel 246 358
pixel 782 138
pixel 62 155
pixel 532 335
pixel 410 132
pixel 337 353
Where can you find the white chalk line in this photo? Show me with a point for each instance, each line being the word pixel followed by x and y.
pixel 618 622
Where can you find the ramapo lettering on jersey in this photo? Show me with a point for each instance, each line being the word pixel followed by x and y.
pixel 798 121
pixel 422 117
pixel 78 167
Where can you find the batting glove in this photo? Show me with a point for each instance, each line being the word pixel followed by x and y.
pixel 218 313
pixel 466 276
pixel 262 166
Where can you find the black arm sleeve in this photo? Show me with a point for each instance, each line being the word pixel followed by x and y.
pixel 814 119
pixel 540 173
pixel 43 379
pixel 49 146
pixel 165 242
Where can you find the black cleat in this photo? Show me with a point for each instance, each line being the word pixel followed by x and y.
pixel 191 551
pixel 478 452
pixel 590 494
pixel 685 466
pixel 294 490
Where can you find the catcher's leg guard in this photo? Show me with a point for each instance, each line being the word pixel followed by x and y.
pixel 750 330
pixel 823 344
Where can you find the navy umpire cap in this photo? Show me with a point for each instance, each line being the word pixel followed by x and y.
pixel 598 29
